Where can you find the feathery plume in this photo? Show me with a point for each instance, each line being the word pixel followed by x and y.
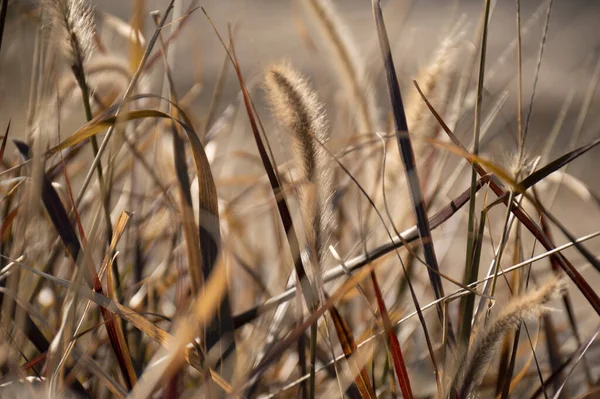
pixel 74 21
pixel 526 307
pixel 297 109
pixel 353 78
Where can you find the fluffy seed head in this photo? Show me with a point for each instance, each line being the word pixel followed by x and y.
pixel 526 307
pixel 296 108
pixel 74 23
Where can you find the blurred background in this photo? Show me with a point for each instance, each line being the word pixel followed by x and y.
pixel 270 30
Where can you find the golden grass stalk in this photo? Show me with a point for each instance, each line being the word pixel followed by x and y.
pixel 526 307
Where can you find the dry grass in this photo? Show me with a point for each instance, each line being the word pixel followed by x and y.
pixel 181 258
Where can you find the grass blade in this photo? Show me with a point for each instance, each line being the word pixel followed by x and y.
pixel 202 242
pixel 4 139
pixel 393 343
pixel 407 154
pixel 555 165
pixel 465 328
pixel 362 381
pixel 3 20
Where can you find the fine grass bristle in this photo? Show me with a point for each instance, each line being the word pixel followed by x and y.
pixel 296 108
pixel 436 80
pixel 74 22
pixel 529 306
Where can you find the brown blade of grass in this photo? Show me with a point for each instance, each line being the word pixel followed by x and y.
pixel 62 224
pixel 566 266
pixel 538 67
pixel 101 123
pixel 507 367
pixel 56 211
pixel 470 267
pixel 202 258
pixel 407 154
pixel 394 345
pixel 217 93
pixel 7 222
pixel 119 229
pixel 209 232
pixel 4 139
pixel 136 49
pixel 520 137
pixel 522 373
pixel 555 165
pixel 182 21
pixel 3 20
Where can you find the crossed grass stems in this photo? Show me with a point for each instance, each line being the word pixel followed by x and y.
pixel 180 123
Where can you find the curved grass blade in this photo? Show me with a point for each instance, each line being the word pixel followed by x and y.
pixel 203 243
pixel 103 122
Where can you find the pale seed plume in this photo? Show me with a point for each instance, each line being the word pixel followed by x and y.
pixel 74 22
pixel 436 81
pixel 296 108
pixel 526 307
